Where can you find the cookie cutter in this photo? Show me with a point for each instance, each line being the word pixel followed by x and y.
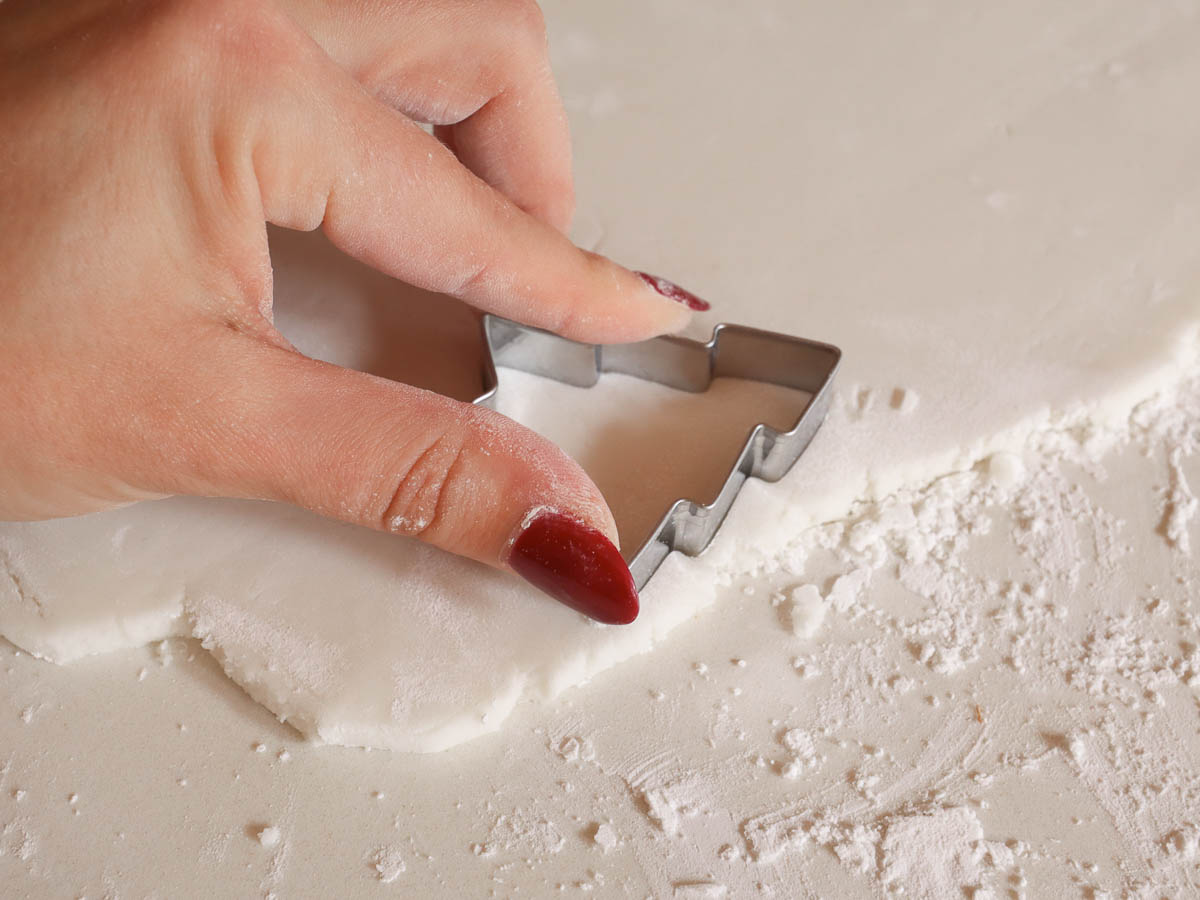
pixel 733 351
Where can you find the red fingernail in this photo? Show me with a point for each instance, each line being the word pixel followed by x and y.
pixel 674 292
pixel 576 565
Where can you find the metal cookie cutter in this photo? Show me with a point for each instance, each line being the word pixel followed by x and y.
pixel 734 351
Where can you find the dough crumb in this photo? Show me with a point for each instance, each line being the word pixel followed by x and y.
pixel 905 400
pixel 269 836
pixel 604 836
pixel 575 748
pixel 388 864
pixel 805 668
pixel 807 610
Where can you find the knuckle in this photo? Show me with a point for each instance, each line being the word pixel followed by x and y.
pixel 415 504
pixel 246 32
pixel 522 19
pixel 190 33
pixel 577 312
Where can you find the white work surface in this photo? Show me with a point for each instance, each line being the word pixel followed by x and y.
pixel 978 675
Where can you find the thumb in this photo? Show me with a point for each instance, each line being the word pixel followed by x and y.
pixel 396 458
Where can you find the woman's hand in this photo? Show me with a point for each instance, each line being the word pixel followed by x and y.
pixel 145 145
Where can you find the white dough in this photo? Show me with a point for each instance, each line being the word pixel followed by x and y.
pixel 1013 240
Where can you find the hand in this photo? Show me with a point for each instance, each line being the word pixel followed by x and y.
pixel 146 143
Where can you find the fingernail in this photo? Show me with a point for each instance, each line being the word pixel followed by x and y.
pixel 672 291
pixel 576 565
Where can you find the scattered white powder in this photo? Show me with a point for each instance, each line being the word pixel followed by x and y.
pixel 955 621
pixel 1184 842
pixel 18 842
pixel 1046 673
pixel 935 854
pixel 664 810
pixel 848 588
pixel 803 749
pixel 885 749
pixel 669 794
pixel 699 890
pixel 1005 469
pixel 521 832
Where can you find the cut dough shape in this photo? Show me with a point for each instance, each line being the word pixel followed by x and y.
pixel 867 215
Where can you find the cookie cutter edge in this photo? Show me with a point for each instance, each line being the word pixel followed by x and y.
pixel 733 351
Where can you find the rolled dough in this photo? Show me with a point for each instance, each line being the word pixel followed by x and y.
pixel 994 211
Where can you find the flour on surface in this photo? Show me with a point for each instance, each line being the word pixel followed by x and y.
pixel 999 212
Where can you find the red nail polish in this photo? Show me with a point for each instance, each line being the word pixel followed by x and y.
pixel 576 565
pixel 672 291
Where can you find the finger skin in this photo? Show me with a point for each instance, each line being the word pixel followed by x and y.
pixel 405 461
pixel 477 69
pixel 396 198
pixel 148 144
pixel 373 452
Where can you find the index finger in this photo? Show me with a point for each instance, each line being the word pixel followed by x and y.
pixel 479 70
pixel 394 197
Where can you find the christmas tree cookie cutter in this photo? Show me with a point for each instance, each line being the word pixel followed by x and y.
pixel 733 351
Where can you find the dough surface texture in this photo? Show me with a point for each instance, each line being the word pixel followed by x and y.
pixel 1013 241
